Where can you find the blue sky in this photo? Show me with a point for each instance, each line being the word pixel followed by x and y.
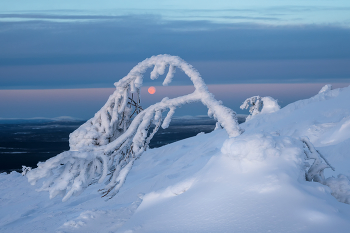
pixel 296 11
pixel 88 44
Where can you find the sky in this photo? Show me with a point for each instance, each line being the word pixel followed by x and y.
pixel 83 47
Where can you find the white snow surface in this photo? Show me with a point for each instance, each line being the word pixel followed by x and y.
pixel 254 182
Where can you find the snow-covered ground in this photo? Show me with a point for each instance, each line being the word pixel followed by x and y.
pixel 211 183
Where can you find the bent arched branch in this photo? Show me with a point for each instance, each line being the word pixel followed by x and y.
pixel 108 144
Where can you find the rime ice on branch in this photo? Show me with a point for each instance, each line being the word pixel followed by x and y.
pixel 315 172
pixel 260 105
pixel 107 145
pixel 340 186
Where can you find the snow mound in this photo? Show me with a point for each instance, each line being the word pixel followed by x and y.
pixel 258 147
pixel 340 187
pixel 324 118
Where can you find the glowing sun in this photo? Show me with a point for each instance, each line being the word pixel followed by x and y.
pixel 152 90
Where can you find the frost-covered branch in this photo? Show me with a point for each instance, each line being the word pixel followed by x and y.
pixel 257 104
pixel 340 186
pixel 107 145
pixel 110 122
pixel 315 172
pixel 25 170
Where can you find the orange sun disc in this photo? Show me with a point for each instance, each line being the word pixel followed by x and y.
pixel 152 90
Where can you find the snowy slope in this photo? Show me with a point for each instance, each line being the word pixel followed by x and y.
pixel 324 119
pixel 210 183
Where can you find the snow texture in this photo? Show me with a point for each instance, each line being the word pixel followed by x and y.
pixel 108 144
pixel 260 181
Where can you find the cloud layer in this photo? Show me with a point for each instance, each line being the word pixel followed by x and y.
pixel 84 103
pixel 45 54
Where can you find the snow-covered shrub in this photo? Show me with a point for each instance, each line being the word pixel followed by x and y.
pixel 25 170
pixel 108 144
pixel 257 104
pixel 315 172
pixel 110 122
pixel 325 88
pixel 339 186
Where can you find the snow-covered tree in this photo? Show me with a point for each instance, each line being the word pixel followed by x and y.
pixel 325 88
pixel 25 170
pixel 257 104
pixel 106 146
pixel 315 171
pixel 340 186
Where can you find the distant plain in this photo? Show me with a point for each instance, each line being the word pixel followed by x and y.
pixel 29 142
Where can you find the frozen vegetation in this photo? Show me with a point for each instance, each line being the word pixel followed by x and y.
pixel 108 144
pixel 260 105
pixel 284 170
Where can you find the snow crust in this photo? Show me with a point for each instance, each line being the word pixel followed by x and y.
pixel 254 182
